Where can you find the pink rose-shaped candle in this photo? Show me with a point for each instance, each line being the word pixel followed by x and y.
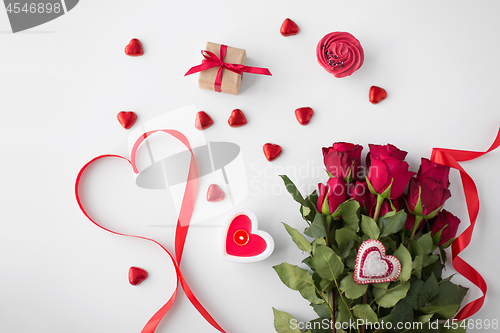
pixel 340 53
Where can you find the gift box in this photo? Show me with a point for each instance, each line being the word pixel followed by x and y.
pixel 231 81
pixel 223 68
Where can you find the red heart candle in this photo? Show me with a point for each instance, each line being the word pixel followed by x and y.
pixel 242 241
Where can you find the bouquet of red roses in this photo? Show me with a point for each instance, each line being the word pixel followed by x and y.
pixel 373 233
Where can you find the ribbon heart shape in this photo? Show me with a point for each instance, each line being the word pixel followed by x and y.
pixel 242 241
pixel 180 231
pixel 211 61
pixel 373 265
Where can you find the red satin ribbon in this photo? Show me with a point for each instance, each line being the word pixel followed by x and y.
pixel 180 233
pixel 451 157
pixel 211 61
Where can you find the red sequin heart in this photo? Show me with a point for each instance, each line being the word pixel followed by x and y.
pixel 134 48
pixel 215 193
pixel 289 28
pixel 373 265
pixel 136 275
pixel 243 242
pixel 272 151
pixel 203 121
pixel 126 118
pixel 377 94
pixel 237 118
pixel 304 115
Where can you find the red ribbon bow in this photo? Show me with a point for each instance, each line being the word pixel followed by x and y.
pixel 451 157
pixel 211 61
pixel 180 231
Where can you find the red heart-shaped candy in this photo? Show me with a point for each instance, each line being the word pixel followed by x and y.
pixel 377 94
pixel 289 28
pixel 304 115
pixel 237 118
pixel 126 118
pixel 203 121
pixel 136 275
pixel 215 193
pixel 272 151
pixel 134 48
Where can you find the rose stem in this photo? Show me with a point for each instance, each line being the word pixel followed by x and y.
pixel 418 219
pixel 365 301
pixel 380 201
pixel 332 297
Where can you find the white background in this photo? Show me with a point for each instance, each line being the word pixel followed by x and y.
pixel 63 83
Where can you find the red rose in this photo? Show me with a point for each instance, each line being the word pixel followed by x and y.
pixel 362 194
pixel 386 207
pixel 331 195
pixel 438 172
pixel 343 160
pixel 340 53
pixel 449 222
pixel 426 196
pixel 387 168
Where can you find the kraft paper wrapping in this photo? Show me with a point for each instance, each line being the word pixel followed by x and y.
pixel 231 81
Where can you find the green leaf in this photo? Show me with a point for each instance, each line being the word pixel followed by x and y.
pixel 347 250
pixel 449 293
pixel 350 214
pixel 292 189
pixel 389 244
pixel 402 313
pixel 344 312
pixel 299 239
pixel 382 286
pixel 283 322
pixel 418 257
pixel 430 289
pixel 298 279
pixel 392 224
pixel 309 210
pixel 327 264
pixel 317 227
pixel 437 238
pixel 389 298
pixel 404 258
pixel 426 243
pixel 321 310
pixel 343 236
pixel 308 262
pixel 318 325
pixel 323 285
pixel 350 288
pixel 365 312
pixel 316 242
pixel 369 227
pixel 447 279
pixel 424 319
pixel 294 277
pixel 305 211
pixel 413 293
pixel 448 243
pixel 443 312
